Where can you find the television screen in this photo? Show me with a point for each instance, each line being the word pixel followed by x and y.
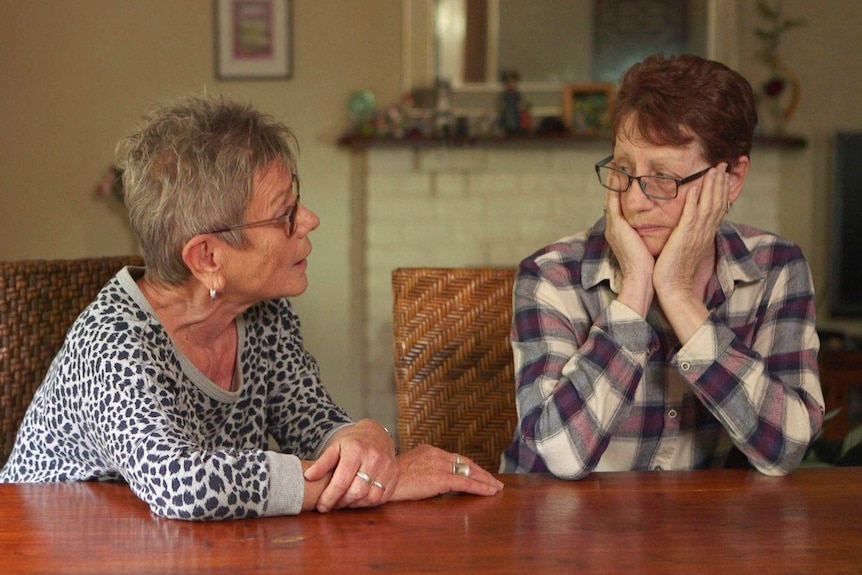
pixel 846 227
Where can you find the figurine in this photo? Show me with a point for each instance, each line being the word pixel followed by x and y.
pixel 444 119
pixel 511 104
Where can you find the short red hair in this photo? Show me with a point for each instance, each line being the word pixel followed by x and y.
pixel 677 100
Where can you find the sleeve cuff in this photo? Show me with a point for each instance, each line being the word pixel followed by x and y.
pixel 707 344
pixel 327 437
pixel 625 326
pixel 286 484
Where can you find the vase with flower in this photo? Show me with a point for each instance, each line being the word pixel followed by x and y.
pixel 780 92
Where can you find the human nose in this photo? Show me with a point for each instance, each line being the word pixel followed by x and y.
pixel 308 220
pixel 636 197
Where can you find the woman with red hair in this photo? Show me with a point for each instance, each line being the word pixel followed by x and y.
pixel 665 335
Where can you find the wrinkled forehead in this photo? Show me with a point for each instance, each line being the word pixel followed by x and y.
pixel 275 177
pixel 277 168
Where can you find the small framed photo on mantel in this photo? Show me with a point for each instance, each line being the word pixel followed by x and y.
pixel 587 107
pixel 253 39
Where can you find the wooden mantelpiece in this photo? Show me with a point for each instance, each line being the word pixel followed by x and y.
pixel 357 141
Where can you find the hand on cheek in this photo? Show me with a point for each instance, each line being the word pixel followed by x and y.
pixel 691 243
pixel 635 261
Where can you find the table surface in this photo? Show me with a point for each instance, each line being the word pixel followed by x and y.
pixel 729 521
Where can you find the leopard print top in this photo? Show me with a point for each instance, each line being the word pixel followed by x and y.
pixel 121 402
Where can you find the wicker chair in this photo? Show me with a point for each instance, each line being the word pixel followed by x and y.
pixel 39 300
pixel 454 373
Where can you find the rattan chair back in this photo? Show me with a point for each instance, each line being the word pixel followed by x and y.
pixel 39 301
pixel 454 372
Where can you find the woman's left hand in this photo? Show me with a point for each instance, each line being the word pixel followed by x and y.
pixel 365 470
pixel 687 261
pixel 692 240
pixel 428 471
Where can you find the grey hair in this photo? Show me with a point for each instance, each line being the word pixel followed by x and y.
pixel 190 168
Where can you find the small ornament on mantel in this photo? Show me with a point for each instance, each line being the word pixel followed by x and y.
pixel 779 94
pixel 512 106
pixel 444 118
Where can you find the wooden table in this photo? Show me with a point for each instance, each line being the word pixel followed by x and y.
pixel 731 521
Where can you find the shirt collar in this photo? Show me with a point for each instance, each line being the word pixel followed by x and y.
pixel 736 263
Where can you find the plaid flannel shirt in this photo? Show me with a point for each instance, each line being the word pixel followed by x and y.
pixel 600 388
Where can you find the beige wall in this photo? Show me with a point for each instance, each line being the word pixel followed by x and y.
pixel 76 75
pixel 829 66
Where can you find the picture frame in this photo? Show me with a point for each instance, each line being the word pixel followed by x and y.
pixel 253 39
pixel 587 107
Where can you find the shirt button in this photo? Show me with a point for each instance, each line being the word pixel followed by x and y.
pixel 672 414
pixel 685 366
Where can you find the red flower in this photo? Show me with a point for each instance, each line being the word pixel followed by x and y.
pixel 774 86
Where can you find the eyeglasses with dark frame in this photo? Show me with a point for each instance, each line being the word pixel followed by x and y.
pixel 656 187
pixel 288 217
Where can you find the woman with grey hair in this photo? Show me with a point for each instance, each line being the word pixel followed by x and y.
pixel 178 374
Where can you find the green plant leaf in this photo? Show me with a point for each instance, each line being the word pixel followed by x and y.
pixel 766 10
pixel 830 414
pixel 826 417
pixel 851 440
pixel 765 34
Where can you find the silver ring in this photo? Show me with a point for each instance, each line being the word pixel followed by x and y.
pixel 378 484
pixel 461 469
pixel 457 458
pixel 363 476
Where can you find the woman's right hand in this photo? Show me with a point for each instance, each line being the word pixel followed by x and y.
pixel 426 471
pixel 635 261
pixel 358 465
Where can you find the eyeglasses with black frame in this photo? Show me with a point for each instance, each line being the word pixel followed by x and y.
pixel 656 187
pixel 288 217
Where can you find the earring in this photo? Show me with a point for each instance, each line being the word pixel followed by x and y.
pixel 212 294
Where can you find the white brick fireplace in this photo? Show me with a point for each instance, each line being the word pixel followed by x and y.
pixel 477 206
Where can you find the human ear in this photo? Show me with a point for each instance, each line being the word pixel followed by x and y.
pixel 736 177
pixel 201 256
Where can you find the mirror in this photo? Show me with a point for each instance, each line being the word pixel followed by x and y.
pixel 543 40
pixel 551 42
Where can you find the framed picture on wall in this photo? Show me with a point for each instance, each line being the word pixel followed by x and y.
pixel 253 39
pixel 587 107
